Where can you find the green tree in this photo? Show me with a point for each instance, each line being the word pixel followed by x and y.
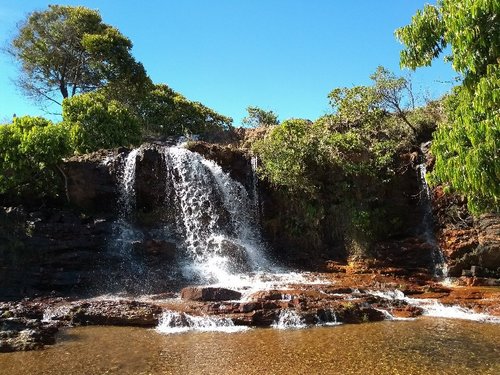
pixel 30 150
pixel 259 117
pixel 96 122
pixel 165 112
pixel 388 94
pixel 466 146
pixel 66 50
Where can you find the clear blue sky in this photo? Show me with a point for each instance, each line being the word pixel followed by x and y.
pixel 284 55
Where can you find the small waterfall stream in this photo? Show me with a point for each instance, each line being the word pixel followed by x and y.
pixel 130 269
pixel 438 259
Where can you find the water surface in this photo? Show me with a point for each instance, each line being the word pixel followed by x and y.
pixel 425 346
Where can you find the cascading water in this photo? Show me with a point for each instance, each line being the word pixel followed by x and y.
pixel 214 218
pixel 174 322
pixel 438 260
pixel 255 192
pixel 125 235
pixel 289 319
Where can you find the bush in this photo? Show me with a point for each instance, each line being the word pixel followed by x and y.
pixel 30 150
pixel 165 112
pixel 97 122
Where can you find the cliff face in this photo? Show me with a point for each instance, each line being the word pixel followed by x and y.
pixel 470 245
pixel 49 250
pixel 66 250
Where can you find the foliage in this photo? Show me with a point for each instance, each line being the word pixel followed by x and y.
pixel 466 146
pixel 30 150
pixel 259 117
pixel 166 112
pixel 97 122
pixel 69 50
pixel 388 94
pixel 334 171
pixel 286 153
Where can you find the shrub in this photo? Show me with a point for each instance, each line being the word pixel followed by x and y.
pixel 97 122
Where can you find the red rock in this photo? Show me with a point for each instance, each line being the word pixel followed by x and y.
pixel 199 293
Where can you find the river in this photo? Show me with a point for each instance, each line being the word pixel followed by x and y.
pixel 423 346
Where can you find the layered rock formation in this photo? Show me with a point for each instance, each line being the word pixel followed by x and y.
pixel 471 245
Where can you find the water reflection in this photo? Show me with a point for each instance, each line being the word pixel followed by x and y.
pixel 425 346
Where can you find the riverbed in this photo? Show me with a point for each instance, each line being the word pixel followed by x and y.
pixel 422 346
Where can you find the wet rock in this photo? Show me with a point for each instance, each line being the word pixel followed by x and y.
pixel 353 313
pixel 119 313
pixel 20 334
pixel 264 318
pixel 269 295
pixel 198 293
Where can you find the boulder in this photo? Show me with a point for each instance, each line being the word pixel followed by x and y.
pixel 199 293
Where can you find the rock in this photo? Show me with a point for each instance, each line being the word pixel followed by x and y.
pixel 21 334
pixel 465 241
pixel 269 295
pixel 407 312
pixel 91 182
pixel 233 161
pixel 119 313
pixel 199 293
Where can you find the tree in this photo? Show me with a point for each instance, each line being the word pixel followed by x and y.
pixel 260 117
pixel 394 94
pixel 466 146
pixel 67 50
pixel 388 94
pixel 96 122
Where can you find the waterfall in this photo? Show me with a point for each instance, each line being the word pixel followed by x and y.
pixel 255 192
pixel 438 260
pixel 215 218
pixel 129 268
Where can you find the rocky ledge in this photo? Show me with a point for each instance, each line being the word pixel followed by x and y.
pixel 341 297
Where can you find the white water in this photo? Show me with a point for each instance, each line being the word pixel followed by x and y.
pixel 289 319
pixel 126 199
pixel 55 312
pixel 434 308
pixel 125 235
pixel 174 322
pixel 215 219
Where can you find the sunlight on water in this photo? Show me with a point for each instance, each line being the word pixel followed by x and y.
pixel 422 347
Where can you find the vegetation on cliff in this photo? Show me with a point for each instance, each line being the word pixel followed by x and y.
pixel 466 146
pixel 30 150
pixel 336 167
pixel 68 56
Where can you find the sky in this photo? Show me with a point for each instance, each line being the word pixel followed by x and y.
pixel 280 55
